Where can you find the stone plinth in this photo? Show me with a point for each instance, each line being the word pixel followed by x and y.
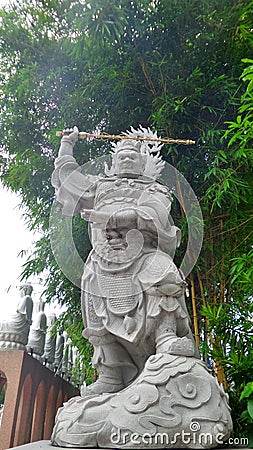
pixel 46 445
pixel 174 403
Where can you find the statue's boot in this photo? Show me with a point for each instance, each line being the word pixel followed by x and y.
pixel 115 367
pixel 109 381
pixel 167 340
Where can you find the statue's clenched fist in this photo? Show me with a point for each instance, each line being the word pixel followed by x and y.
pixel 72 134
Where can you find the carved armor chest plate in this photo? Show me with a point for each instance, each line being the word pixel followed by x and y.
pixel 121 294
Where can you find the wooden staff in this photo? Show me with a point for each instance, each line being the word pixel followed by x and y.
pixel 84 135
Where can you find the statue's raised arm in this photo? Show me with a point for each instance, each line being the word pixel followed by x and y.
pixel 68 141
pixel 74 190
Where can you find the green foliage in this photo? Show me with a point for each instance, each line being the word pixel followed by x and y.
pixel 183 68
pixel 231 319
pixel 248 392
pixel 2 395
pixel 247 415
pixel 242 270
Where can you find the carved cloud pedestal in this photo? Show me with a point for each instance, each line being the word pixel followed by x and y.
pixel 174 403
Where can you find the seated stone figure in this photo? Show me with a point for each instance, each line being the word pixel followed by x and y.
pixel 14 332
pixel 132 292
pixel 37 335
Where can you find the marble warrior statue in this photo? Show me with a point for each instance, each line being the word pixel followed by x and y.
pixel 132 293
pixel 153 390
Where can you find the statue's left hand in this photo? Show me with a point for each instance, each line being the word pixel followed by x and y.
pixel 72 135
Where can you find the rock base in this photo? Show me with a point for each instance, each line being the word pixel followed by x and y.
pixel 174 403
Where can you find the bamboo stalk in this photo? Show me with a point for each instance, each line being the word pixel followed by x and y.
pixel 222 280
pixel 178 189
pixel 201 289
pixel 220 368
pixel 84 135
pixel 149 80
pixel 204 304
pixel 221 375
pixel 194 311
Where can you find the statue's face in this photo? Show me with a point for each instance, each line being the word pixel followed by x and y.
pixel 25 290
pixel 128 163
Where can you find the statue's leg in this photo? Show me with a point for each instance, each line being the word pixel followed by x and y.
pixel 115 366
pixel 166 337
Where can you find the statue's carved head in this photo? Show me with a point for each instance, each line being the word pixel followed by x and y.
pixel 127 159
pixel 26 289
pixel 133 158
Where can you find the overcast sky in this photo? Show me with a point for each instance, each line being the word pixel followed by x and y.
pixel 14 237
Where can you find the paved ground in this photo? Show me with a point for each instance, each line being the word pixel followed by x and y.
pixel 46 445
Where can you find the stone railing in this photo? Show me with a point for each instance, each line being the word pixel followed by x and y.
pixel 30 329
pixel 33 395
pixel 38 372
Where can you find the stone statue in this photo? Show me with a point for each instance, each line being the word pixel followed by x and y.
pixel 58 353
pixel 66 366
pixel 14 332
pixel 50 343
pixel 150 376
pixel 37 335
pixel 1 413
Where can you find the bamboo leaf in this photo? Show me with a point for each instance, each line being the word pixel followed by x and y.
pixel 248 390
pixel 250 407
